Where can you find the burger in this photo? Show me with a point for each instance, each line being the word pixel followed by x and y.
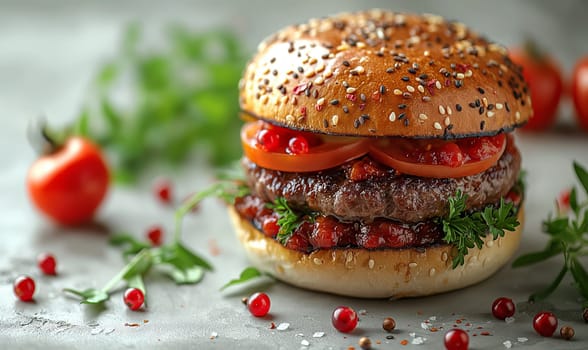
pixel 378 155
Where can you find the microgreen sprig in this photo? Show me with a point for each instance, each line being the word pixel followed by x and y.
pixel 467 230
pixel 175 259
pixel 568 235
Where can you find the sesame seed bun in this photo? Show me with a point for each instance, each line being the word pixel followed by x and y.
pixel 379 73
pixel 395 273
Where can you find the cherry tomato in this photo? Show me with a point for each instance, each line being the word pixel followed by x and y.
pixel 69 184
pixel 580 91
pixel 545 82
pixel 317 155
pixel 438 158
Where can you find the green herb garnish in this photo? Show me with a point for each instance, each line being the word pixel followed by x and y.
pixel 288 219
pixel 568 235
pixel 179 96
pixel 176 260
pixel 467 230
pixel 248 274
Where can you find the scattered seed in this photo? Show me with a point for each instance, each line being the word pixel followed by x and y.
pixel 389 324
pixel 365 343
pixel 499 106
pixel 437 126
pixel 567 332
pixel 409 88
pixel 392 116
pixel 423 116
pixel 441 109
pixel 350 90
pixel 397 92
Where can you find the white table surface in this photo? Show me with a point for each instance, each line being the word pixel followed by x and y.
pixel 48 53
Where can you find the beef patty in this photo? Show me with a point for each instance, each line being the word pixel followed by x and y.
pixel 364 190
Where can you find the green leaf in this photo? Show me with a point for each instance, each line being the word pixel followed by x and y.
pixel 90 296
pixel 107 75
pixel 181 257
pixel 582 175
pixel 552 249
pixel 248 274
pixel 580 276
pixel 81 126
pixel 541 295
pixel 133 246
pixel 139 268
pixel 574 201
pixel 190 275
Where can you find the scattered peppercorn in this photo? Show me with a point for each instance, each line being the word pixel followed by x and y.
pixel 365 343
pixel 389 324
pixel 244 300
pixel 567 332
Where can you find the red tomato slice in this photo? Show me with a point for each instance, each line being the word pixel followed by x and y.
pixel 326 153
pixel 439 158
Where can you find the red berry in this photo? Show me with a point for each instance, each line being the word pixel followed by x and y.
pixel 155 235
pixel 47 263
pixel 503 308
pixel 456 339
pixel 163 192
pixel 134 298
pixel 297 145
pixel 344 319
pixel 545 323
pixel 24 288
pixel 268 140
pixel 258 304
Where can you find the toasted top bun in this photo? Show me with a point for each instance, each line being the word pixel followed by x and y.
pixel 379 73
pixel 388 273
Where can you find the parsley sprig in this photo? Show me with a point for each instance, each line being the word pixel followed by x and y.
pixel 288 219
pixel 179 96
pixel 568 235
pixel 467 230
pixel 175 259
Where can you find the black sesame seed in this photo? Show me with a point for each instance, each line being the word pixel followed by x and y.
pixel 507 106
pixel 390 70
pixel 334 102
pixel 482 124
pixel 307 92
pixel 345 109
pixel 481 110
pixel 407 95
pixel 401 116
pixel 424 76
pixel 412 70
pixel 490 107
pixel 472 104
pixel 300 69
pixel 364 117
pixel 405 78
pixel 450 126
pixel 382 89
pixel 283 90
pixel 402 106
pixel 325 123
pixel 406 122
pixel 346 63
pixel 315 94
pixel 274 72
pixel 295 75
pixel 356 123
pixel 458 83
pixel 500 83
pixel 478 104
pixel 458 107
pixel 481 90
pixel 273 60
pixel 380 54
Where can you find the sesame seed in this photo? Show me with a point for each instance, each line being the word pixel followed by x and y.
pixel 397 92
pixel 382 89
pixel 469 73
pixel 426 98
pixel 321 101
pixel 356 123
pixel 478 104
pixel 350 90
pixel 310 74
pixel 423 116
pixel 518 115
pixel 481 110
pixel 406 95
pixel 389 70
pixel 460 76
pixel 499 106
pixel 447 121
pixel 320 68
pixel 345 84
pixel 392 116
pixel 490 114
pixel 438 84
pixel 458 107
pixel 300 70
pixel 412 71
pixel 482 124
pixel 359 69
pixel 481 90
pixel 441 109
pixel 485 102
pixel 319 81
pixel 409 88
pixel 405 78
pixel 472 105
pixel 437 126
pixel 401 106
pixel 490 107
pixel 328 73
pixel 335 120
pixel 449 111
pixel 362 97
pixel 401 116
pixel 325 123
pixel 507 106
pixel 406 122
pixel 421 88
pixel 345 109
pixel 334 102
pixel 346 63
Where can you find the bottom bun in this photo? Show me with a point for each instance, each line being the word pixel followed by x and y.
pixel 391 273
